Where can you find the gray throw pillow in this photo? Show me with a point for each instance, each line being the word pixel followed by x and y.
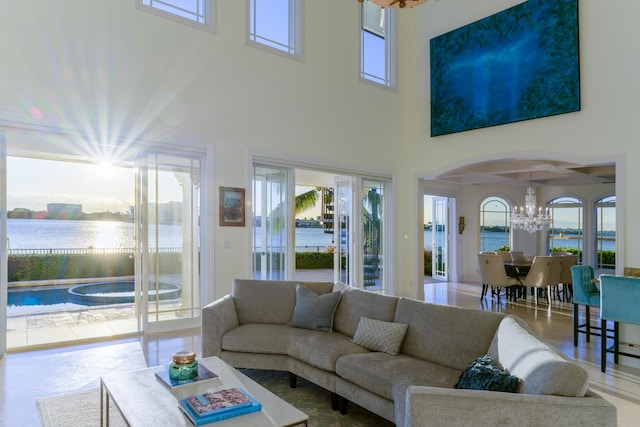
pixel 313 311
pixel 377 335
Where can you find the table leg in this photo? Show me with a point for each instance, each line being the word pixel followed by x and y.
pixel 104 405
pixel 101 402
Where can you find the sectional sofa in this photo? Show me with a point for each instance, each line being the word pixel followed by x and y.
pixel 397 357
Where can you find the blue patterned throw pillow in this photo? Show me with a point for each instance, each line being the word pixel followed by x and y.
pixel 484 374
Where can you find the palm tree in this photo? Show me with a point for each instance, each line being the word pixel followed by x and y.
pixel 307 200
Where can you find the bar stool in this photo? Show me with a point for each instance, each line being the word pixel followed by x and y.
pixel 585 292
pixel 619 301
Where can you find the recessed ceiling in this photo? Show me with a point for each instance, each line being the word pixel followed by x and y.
pixel 542 173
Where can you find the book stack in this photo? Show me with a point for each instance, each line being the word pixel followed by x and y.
pixel 218 405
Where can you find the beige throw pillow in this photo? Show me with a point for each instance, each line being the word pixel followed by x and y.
pixel 377 335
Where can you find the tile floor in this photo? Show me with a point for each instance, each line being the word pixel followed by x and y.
pixel 620 385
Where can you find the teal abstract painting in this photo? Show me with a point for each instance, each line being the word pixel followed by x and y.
pixel 519 64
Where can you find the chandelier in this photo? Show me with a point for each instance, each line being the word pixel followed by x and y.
pixel 396 3
pixel 526 218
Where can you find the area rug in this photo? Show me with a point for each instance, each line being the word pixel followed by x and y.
pixel 76 382
pixel 82 408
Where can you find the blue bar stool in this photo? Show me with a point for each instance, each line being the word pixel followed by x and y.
pixel 585 292
pixel 619 301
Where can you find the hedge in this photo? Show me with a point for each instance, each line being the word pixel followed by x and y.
pixel 73 266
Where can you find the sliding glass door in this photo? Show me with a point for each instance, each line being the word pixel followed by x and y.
pixel 272 230
pixel 3 245
pixel 440 237
pixel 167 218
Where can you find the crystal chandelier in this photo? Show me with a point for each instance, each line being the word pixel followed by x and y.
pixel 526 218
pixel 396 3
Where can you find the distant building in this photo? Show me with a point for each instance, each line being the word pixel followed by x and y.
pixel 64 210
pixel 167 213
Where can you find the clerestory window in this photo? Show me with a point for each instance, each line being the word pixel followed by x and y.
pixel 377 44
pixel 275 25
pixel 198 13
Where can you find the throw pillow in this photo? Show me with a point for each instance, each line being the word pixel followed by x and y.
pixel 484 374
pixel 313 311
pixel 377 335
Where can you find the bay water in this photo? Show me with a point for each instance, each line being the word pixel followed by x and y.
pixel 63 234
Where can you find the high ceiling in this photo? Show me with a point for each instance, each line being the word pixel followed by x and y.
pixel 542 172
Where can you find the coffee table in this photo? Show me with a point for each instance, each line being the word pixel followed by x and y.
pixel 144 401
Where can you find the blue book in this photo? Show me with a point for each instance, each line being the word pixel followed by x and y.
pixel 216 402
pixel 199 420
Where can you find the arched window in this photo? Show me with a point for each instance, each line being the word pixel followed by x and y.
pixel 606 232
pixel 566 233
pixel 494 224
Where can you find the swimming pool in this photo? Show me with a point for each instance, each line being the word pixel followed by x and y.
pixel 87 294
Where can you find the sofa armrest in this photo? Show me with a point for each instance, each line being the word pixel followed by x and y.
pixel 218 318
pixel 430 406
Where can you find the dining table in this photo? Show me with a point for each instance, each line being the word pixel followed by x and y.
pixel 517 269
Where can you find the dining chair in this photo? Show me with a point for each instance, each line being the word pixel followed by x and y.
pixel 517 256
pixel 538 276
pixel 506 255
pixel 553 282
pixel 493 273
pixel 585 292
pixel 566 279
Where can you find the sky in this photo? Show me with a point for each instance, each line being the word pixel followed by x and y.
pixel 32 183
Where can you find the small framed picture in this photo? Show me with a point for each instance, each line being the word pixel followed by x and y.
pixel 232 207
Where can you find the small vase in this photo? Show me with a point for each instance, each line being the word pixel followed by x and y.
pixel 183 366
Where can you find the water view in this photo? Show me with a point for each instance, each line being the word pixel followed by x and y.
pixel 62 234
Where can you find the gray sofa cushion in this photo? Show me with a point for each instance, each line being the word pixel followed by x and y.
pixel 389 376
pixel 320 349
pixel 449 336
pixel 257 338
pixel 356 303
pixel 313 311
pixel 260 301
pixel 541 369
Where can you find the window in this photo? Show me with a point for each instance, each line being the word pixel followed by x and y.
pixel 494 224
pixel 606 232
pixel 377 44
pixel 567 230
pixel 198 13
pixel 275 24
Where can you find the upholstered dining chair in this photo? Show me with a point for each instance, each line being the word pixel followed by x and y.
pixel 506 255
pixel 553 282
pixel 517 256
pixel 493 274
pixel 585 292
pixel 538 276
pixel 566 279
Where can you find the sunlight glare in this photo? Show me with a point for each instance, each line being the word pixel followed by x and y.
pixel 105 169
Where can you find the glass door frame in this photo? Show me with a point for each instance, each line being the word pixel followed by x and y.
pixel 440 253
pixel 284 221
pixel 196 293
pixel 3 246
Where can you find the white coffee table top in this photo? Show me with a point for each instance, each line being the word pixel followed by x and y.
pixel 143 400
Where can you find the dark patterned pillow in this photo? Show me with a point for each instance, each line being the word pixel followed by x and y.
pixel 484 374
